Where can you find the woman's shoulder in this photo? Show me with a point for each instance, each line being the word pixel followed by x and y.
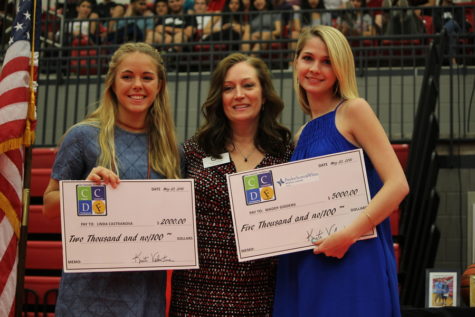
pixel 192 147
pixel 283 156
pixel 354 106
pixel 82 130
pixel 191 142
pixel 289 149
pixel 285 152
pixel 353 111
pixel 298 133
pixel 80 136
pixel 356 114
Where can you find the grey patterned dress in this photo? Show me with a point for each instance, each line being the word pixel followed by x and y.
pixel 111 293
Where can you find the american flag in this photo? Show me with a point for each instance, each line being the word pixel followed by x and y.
pixel 17 125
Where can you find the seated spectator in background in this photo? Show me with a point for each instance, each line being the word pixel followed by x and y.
pixel 175 28
pixel 356 21
pixel 399 22
pixel 161 9
pixel 313 14
pixel 291 22
pixel 202 17
pixel 103 9
pixel 69 10
pixel 289 18
pixel 133 29
pixel 263 26
pixel 230 26
pixel 188 6
pixel 116 11
pixel 451 18
pixel 247 6
pixel 81 28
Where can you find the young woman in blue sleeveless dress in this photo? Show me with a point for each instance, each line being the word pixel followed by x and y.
pixel 130 135
pixel 343 276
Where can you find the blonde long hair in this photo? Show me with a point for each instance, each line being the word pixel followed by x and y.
pixel 163 152
pixel 341 58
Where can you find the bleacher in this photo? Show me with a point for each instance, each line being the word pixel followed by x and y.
pixel 388 67
pixel 43 252
pixel 84 57
pixel 72 70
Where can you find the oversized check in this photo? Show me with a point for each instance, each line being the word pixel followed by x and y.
pixel 283 208
pixel 140 225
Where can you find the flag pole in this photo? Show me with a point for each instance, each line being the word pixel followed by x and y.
pixel 28 140
pixel 20 294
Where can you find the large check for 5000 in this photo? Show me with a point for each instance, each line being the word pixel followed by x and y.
pixel 140 225
pixel 283 208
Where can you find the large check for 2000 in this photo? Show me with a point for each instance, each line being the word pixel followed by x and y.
pixel 283 208
pixel 140 225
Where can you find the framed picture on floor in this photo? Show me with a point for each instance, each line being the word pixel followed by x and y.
pixel 472 290
pixel 442 288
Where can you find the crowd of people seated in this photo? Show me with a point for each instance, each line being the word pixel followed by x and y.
pixel 250 25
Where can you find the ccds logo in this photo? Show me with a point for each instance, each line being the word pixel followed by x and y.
pixel 91 200
pixel 259 188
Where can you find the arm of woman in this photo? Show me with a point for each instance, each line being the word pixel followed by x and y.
pixel 245 29
pixel 116 12
pixel 245 38
pixel 429 3
pixel 51 205
pixel 159 28
pixel 93 24
pixel 368 23
pixel 277 29
pixel 370 135
pixel 238 27
pixel 128 11
pixel 359 124
pixel 296 20
pixel 51 201
pixel 189 30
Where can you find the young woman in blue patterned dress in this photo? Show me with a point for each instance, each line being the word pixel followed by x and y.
pixel 131 136
pixel 343 276
pixel 241 126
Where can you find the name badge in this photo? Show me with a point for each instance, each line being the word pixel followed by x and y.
pixel 211 161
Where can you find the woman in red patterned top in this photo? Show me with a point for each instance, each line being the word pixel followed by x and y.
pixel 241 132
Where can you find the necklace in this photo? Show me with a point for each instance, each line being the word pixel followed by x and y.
pixel 131 127
pixel 245 157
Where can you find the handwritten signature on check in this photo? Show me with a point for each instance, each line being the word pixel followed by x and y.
pixel 152 258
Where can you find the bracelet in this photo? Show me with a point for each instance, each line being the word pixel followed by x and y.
pixel 369 219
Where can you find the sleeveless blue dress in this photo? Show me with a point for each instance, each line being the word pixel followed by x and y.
pixel 364 281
